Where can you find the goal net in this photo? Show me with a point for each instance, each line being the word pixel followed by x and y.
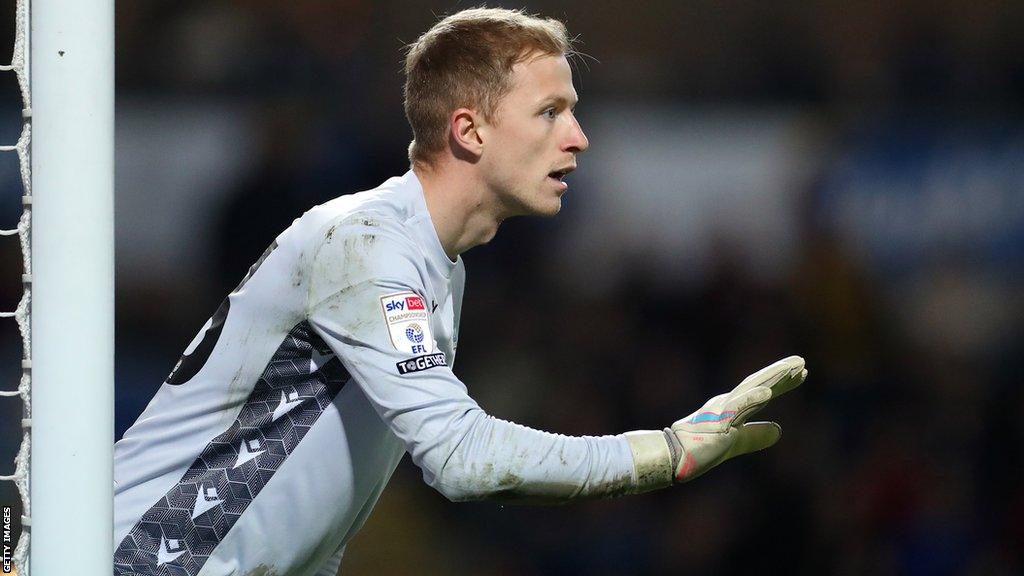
pixel 20 475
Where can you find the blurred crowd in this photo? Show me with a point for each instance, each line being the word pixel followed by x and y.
pixel 900 282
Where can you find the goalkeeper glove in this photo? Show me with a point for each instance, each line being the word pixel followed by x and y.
pixel 716 432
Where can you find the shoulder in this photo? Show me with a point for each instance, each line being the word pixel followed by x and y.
pixel 366 230
pixel 359 240
pixel 381 212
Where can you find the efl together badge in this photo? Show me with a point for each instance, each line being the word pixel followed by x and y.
pixel 408 323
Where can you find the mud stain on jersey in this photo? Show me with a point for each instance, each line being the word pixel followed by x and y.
pixel 342 262
pixel 509 482
pixel 341 280
pixel 354 252
pixel 262 570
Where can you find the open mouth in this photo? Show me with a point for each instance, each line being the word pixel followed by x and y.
pixel 559 174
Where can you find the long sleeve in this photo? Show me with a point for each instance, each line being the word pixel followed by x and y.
pixel 364 266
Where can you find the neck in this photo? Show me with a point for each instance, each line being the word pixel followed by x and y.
pixel 464 215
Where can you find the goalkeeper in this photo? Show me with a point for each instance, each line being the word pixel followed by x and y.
pixel 272 439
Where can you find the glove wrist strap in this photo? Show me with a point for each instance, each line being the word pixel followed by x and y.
pixel 653 461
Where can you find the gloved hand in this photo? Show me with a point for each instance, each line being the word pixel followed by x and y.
pixel 716 432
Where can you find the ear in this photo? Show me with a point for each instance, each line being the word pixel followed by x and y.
pixel 464 125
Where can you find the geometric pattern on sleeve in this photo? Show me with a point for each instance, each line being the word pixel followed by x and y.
pixel 179 532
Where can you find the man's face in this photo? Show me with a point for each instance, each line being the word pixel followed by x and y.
pixel 534 139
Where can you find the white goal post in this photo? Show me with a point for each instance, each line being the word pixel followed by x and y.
pixel 72 312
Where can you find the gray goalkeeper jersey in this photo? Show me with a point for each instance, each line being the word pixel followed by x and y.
pixel 270 442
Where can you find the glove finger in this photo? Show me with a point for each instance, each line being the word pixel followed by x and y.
pixel 787 384
pixel 746 404
pixel 773 374
pixel 753 437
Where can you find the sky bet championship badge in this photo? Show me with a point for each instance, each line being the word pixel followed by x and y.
pixel 408 323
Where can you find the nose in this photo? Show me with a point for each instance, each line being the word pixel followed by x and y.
pixel 577 141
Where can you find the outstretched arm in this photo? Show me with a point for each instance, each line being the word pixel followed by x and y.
pixel 467 454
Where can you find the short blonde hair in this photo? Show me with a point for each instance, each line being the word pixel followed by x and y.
pixel 466 60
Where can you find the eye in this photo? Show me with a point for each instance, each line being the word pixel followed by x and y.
pixel 550 113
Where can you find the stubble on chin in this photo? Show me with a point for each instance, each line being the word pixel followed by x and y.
pixel 546 207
